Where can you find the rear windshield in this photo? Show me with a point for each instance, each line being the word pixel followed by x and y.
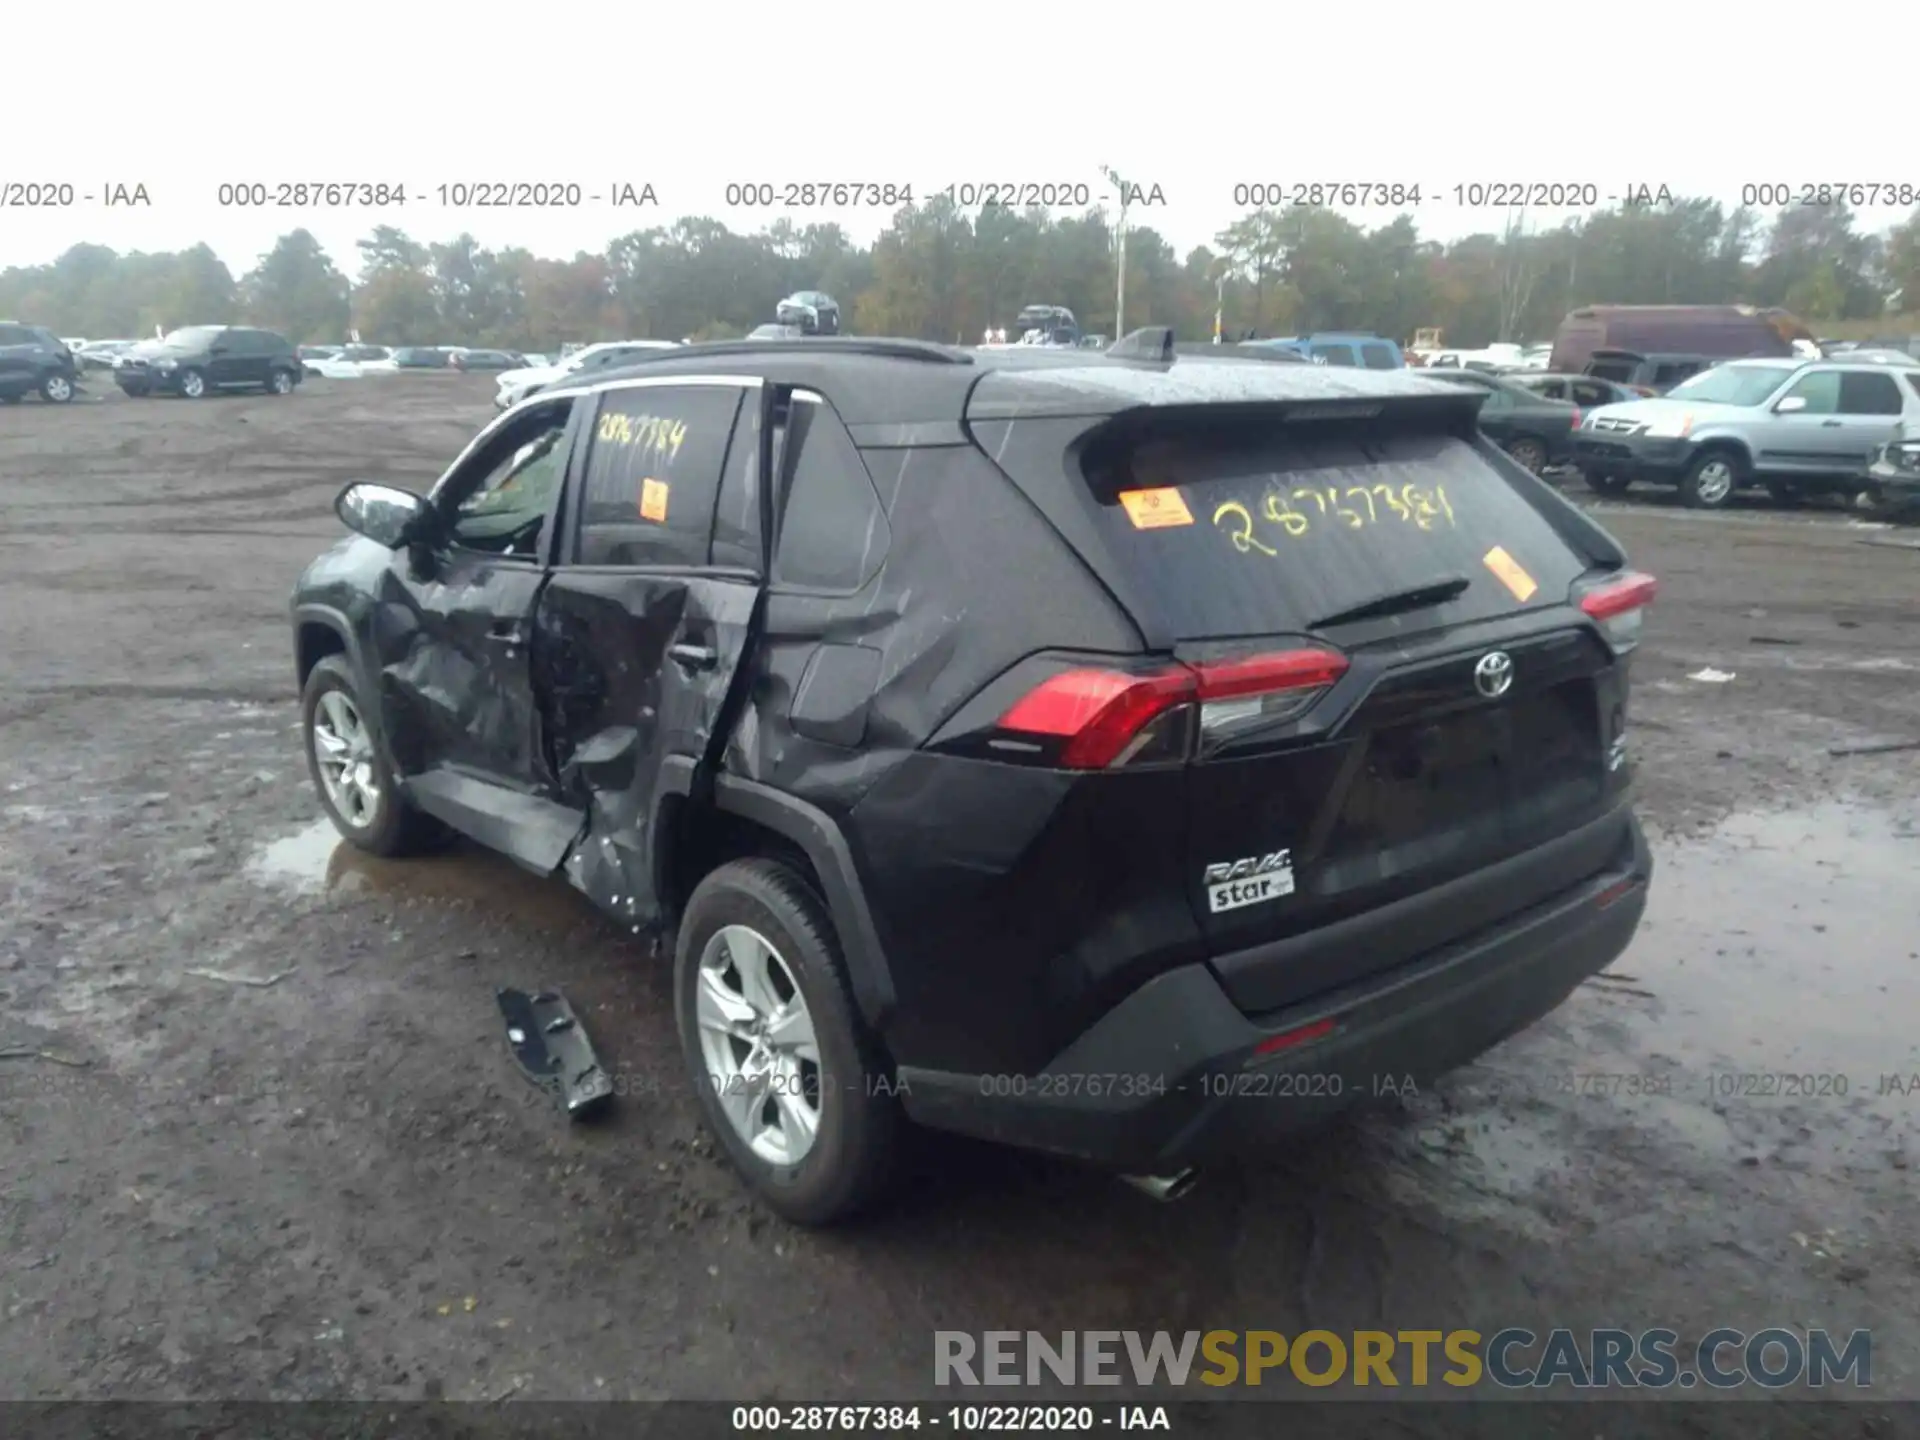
pixel 1263 533
pixel 1379 357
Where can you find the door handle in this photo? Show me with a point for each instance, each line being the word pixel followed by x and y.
pixel 1829 424
pixel 511 631
pixel 695 657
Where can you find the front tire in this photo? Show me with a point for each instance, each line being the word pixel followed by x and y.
pixel 56 389
pixel 194 385
pixel 1710 481
pixel 280 382
pixel 349 773
pixel 788 1077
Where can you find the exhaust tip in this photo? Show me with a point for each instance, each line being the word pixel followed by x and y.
pixel 1165 1188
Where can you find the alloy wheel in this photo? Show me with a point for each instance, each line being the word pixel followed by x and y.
pixel 1714 482
pixel 343 753
pixel 758 1042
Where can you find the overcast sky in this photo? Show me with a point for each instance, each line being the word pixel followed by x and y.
pixel 690 99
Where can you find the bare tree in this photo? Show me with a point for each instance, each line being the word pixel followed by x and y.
pixel 1518 273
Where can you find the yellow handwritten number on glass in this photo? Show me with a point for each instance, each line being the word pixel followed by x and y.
pixel 1242 538
pixel 1282 513
pixel 1352 517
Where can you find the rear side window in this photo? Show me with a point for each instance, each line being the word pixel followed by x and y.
pixel 1379 357
pixel 833 531
pixel 1869 395
pixel 1334 354
pixel 1912 377
pixel 1284 530
pixel 15 335
pixel 1676 371
pixel 653 473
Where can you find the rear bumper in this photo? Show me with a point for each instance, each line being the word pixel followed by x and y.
pixel 1170 1077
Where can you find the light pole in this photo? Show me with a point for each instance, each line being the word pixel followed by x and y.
pixel 1120 263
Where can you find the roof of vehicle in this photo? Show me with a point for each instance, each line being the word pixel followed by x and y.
pixel 1523 376
pixel 878 381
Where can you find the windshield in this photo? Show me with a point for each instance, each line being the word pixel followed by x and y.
pixel 192 335
pixel 1731 384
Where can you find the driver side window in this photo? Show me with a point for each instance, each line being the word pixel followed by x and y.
pixel 502 500
pixel 1821 391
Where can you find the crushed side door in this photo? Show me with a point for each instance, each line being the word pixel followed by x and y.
pixel 638 637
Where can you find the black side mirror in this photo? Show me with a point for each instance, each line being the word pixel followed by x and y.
pixel 386 515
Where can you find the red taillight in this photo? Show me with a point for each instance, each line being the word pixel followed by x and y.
pixel 1264 674
pixel 1098 712
pixel 1631 591
pixel 1101 713
pixel 1288 1039
pixel 1576 417
pixel 1619 607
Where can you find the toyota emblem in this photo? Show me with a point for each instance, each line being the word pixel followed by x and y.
pixel 1493 676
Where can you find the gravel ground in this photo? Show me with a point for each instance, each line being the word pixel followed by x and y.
pixel 336 1185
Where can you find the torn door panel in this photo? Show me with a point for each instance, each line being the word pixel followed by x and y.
pixel 631 668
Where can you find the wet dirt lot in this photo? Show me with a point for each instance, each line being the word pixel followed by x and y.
pixel 335 1184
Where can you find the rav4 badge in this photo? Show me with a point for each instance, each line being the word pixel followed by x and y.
pixel 1258 878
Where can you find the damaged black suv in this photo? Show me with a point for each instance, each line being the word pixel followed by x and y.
pixel 1065 748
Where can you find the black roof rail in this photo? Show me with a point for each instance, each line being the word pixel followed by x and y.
pixel 1153 343
pixel 873 346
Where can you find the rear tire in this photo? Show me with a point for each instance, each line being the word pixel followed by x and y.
pixel 1785 492
pixel 386 825
pixel 1528 453
pixel 56 389
pixel 1711 480
pixel 847 1160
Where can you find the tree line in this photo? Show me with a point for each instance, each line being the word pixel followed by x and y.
pixel 938 272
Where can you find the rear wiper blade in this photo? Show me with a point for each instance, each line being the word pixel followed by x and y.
pixel 1417 597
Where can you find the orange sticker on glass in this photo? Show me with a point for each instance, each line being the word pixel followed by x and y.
pixel 653 501
pixel 1156 509
pixel 1508 570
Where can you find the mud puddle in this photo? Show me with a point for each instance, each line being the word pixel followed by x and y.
pixel 316 861
pixel 1787 945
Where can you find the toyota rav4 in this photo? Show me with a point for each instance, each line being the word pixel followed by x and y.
pixel 1033 744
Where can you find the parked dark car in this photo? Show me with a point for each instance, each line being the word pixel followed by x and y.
pixel 1586 391
pixel 488 360
pixel 814 312
pixel 201 360
pixel 1652 374
pixel 1275 731
pixel 1535 431
pixel 35 361
pixel 422 357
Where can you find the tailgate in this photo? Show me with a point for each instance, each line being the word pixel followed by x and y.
pixel 1453 762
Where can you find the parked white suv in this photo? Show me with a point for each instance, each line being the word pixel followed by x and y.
pixel 516 385
pixel 1797 427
